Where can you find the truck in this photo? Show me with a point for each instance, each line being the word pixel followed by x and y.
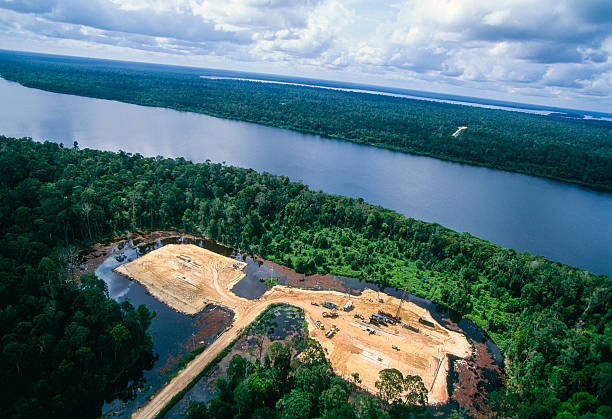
pixel 330 305
pixel 378 319
pixel 348 306
pixel 331 332
pixel 426 322
pixel 330 314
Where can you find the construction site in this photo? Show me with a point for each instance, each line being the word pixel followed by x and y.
pixel 361 334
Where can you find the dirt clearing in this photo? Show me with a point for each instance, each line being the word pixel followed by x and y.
pixel 186 277
pixel 459 129
pixel 183 276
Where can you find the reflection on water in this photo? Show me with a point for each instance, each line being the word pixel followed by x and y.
pixel 175 334
pixel 564 222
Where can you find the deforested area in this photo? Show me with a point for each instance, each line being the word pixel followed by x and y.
pixel 53 196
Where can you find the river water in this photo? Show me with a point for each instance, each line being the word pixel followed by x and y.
pixel 566 223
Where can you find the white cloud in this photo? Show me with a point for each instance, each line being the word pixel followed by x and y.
pixel 514 47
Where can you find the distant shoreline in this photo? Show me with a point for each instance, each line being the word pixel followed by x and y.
pixel 383 93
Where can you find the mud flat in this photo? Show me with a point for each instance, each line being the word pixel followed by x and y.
pixel 187 277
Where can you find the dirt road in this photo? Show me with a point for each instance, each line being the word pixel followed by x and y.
pixel 422 350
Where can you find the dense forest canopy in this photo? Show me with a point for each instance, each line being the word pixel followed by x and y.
pixel 572 150
pixel 553 322
pixel 65 345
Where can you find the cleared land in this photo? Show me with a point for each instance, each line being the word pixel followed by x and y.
pixel 183 276
pixel 353 349
pixel 459 129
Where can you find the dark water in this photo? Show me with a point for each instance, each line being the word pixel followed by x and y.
pixel 287 324
pixel 174 334
pixel 563 222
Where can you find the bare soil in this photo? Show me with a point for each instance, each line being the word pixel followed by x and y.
pixel 248 348
pixel 97 254
pixel 183 276
pixel 353 349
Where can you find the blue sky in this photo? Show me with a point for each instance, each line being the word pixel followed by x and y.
pixel 550 52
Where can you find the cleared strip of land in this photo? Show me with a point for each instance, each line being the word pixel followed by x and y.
pixel 459 129
pixel 421 351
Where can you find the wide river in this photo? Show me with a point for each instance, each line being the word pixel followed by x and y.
pixel 563 222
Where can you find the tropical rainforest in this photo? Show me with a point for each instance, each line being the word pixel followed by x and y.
pixel 66 346
pixel 572 150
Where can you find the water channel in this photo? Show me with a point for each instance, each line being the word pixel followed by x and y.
pixel 564 222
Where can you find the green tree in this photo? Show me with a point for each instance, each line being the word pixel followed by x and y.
pixel 196 410
pixel 415 391
pixel 390 385
pixel 295 405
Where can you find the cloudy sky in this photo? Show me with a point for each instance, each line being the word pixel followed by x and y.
pixel 552 52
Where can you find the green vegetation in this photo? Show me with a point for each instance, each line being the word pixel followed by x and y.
pixel 297 381
pixel 552 322
pixel 259 325
pixel 578 151
pixel 269 281
pixel 66 347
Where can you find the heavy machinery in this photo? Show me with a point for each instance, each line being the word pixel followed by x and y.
pixel 399 308
pixel 390 318
pixel 378 319
pixel 426 322
pixel 330 305
pixel 331 332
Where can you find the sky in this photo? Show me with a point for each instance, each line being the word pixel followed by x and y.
pixel 548 52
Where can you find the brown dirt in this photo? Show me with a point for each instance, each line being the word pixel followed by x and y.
pixel 183 276
pixel 297 280
pixel 353 349
pixel 473 377
pixel 97 254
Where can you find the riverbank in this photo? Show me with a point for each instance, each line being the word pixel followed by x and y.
pixel 500 139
